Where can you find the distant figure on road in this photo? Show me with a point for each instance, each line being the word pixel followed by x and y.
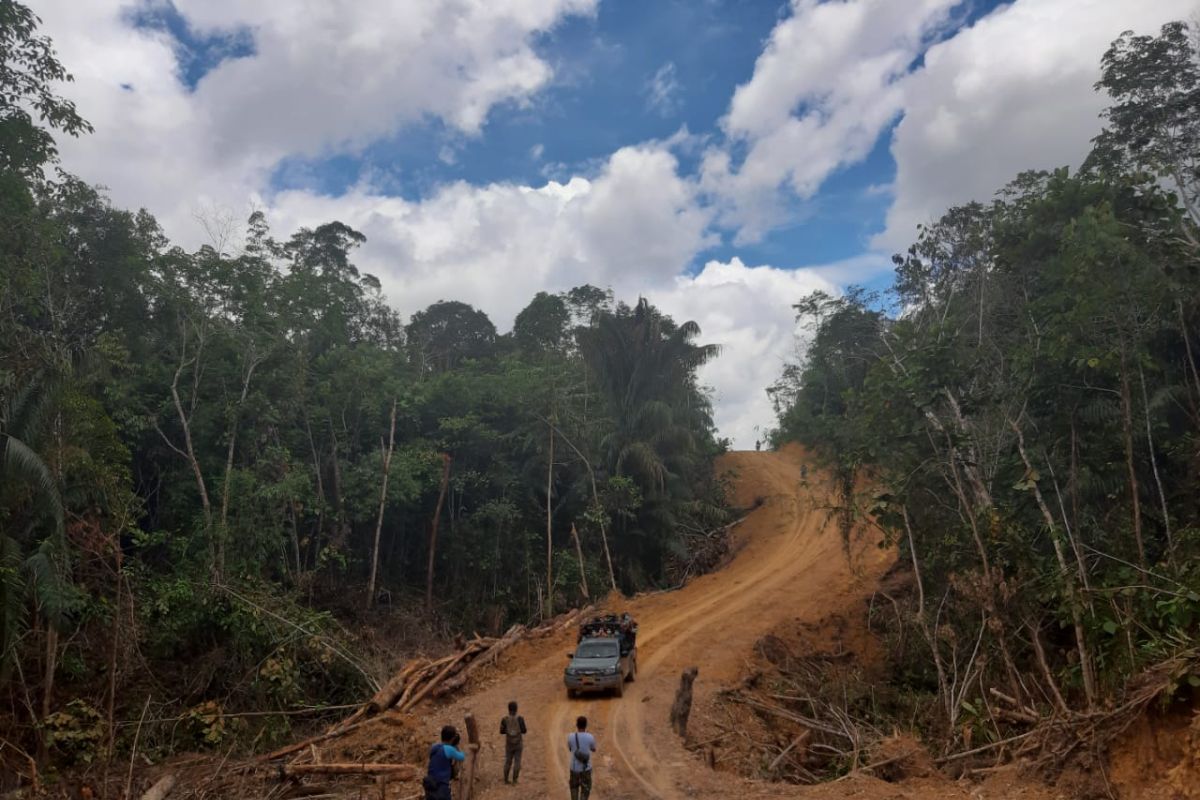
pixel 582 745
pixel 442 756
pixel 757 445
pixel 512 728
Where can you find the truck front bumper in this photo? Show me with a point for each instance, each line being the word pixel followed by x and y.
pixel 592 683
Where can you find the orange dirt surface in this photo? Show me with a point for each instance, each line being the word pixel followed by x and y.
pixel 791 566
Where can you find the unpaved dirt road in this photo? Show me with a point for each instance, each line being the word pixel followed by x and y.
pixel 791 563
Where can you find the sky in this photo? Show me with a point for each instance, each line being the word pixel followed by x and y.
pixel 722 158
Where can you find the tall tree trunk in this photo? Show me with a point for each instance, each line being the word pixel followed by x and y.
pixel 1162 495
pixel 223 528
pixel 114 650
pixel 550 529
pixel 1085 659
pixel 582 567
pixel 320 481
pixel 189 451
pixel 343 528
pixel 612 576
pixel 1187 345
pixel 1127 436
pixel 930 639
pixel 51 669
pixel 295 536
pixel 433 531
pixel 387 465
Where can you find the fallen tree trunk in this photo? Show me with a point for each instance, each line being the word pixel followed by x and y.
pixel 419 696
pixel 489 657
pixel 402 771
pixel 340 730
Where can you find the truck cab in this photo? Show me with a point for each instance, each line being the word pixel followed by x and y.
pixel 600 663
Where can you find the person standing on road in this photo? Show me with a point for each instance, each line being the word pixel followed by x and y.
pixel 442 756
pixel 582 745
pixel 512 728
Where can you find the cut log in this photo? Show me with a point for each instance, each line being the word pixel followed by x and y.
pixel 401 771
pixel 489 656
pixel 391 692
pixel 433 682
pixel 161 788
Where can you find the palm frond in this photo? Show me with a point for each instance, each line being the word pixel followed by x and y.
pixel 19 459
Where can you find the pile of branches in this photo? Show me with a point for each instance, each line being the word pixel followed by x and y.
pixel 1054 737
pixel 809 727
pixel 703 551
pixel 417 681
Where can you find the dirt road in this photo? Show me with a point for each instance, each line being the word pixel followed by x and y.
pixel 791 563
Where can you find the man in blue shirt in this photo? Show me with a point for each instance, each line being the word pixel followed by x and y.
pixel 442 756
pixel 582 745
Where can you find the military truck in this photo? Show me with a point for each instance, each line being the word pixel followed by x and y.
pixel 605 657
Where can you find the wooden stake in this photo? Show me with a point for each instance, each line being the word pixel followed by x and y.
pixel 468 781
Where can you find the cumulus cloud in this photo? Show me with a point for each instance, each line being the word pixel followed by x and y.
pixel 632 226
pixel 824 88
pixel 330 77
pixel 748 311
pixel 1011 93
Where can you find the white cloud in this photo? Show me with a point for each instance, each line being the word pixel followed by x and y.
pixel 632 227
pixel 823 89
pixel 662 90
pixel 327 77
pixel 748 311
pixel 1013 92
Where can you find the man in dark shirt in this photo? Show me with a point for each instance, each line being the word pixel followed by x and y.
pixel 442 756
pixel 512 728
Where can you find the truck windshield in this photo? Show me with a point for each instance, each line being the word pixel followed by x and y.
pixel 596 650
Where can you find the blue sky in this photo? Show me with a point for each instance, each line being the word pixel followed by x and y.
pixel 721 157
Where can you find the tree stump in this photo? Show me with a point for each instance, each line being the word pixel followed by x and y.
pixel 682 707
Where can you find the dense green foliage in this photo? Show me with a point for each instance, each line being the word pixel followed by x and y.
pixel 194 445
pixel 1026 405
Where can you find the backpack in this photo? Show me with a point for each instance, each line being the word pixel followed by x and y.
pixel 512 730
pixel 582 756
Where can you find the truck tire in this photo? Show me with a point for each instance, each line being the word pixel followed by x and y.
pixel 619 690
pixel 632 676
pixel 570 693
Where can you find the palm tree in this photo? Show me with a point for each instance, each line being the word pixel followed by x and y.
pixel 645 366
pixel 25 568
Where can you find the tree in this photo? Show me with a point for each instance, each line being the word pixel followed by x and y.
pixel 445 333
pixel 28 68
pixel 543 324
